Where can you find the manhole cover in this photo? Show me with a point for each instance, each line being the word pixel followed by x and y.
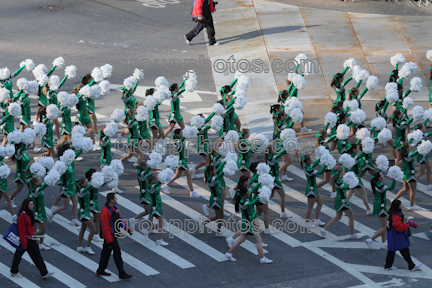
pixel 50 8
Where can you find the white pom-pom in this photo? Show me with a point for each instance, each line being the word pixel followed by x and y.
pixel 238 74
pixel 392 96
pixel 385 135
pixel 358 116
pixel 171 161
pixel 264 194
pixel 263 168
pixel 87 145
pixel 342 132
pixel 190 132
pixel 418 113
pixel 105 86
pixel 29 64
pixel 138 74
pixel 404 72
pixel 428 113
pixel 217 108
pixel 217 122
pixel 382 163
pixel 15 137
pixel 416 84
pixel 117 165
pixel 290 76
pixel 293 103
pixel 97 180
pixel 300 57
pixel 4 171
pixel 68 157
pixel 40 129
pixel 32 88
pixel 150 102
pixel 230 168
pixel 42 80
pixel 7 151
pixel 197 121
pixel 52 111
pixel 166 175
pixel 118 115
pixel 161 81
pixel 40 69
pixel 395 173
pixel 114 183
pixel 412 66
pixel 159 97
pixel 331 119
pixel 78 129
pixel 5 94
pixel 243 82
pixel 296 115
pixel 109 173
pixel 96 92
pixel 232 137
pixel 429 55
pixel 141 113
pixel 258 139
pixel 266 180
pixel 97 74
pixel 346 160
pixel 372 83
pixel 60 167
pixel 86 91
pixel 54 82
pixel 106 70
pixel 408 103
pixel 129 82
pixel 70 71
pixel 190 85
pixel 155 159
pixel 362 75
pixel 425 147
pixel 59 62
pixel 356 69
pixel 111 129
pixel 397 59
pixel 52 178
pixel 416 136
pixel 299 82
pixel 391 86
pixel 231 156
pixel 351 179
pixel 320 151
pixel 22 84
pixel 77 140
pixel 164 92
pixel 351 104
pixel 240 103
pixel 4 73
pixel 328 160
pixel 379 123
pixel 350 62
pixel 28 136
pixel 14 109
pixel 368 145
pixel 46 162
pixel 362 133
pixel 37 169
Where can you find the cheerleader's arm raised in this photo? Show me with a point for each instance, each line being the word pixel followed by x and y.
pixel 219 170
pixel 392 185
pixel 209 118
pixel 323 168
pixel 17 72
pixel 345 70
pixel 63 81
pixel 254 190
pixel 281 154
pixel 347 80
pixel 51 70
pixel 363 93
pixel 182 84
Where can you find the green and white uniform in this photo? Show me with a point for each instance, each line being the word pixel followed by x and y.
pixel 340 87
pixel 7 122
pixel 248 215
pixel 311 174
pixel 356 169
pixel 365 162
pixel 3 182
pixel 143 130
pixel 66 125
pixel 180 147
pixel 47 139
pixel 380 201
pixel 133 138
pixel 272 161
pixel 401 132
pixel 67 182
pixel 142 180
pixel 155 199
pixel 24 101
pixel 215 161
pixel 215 190
pixel 175 115
pixel 22 160
pixel 82 117
pixel 341 201
pixel 245 151
pixel 382 111
pixel 38 197
pixel 154 118
pixel 408 166
pixel 84 201
pixel 106 157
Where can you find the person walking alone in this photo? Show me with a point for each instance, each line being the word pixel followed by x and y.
pixel 109 217
pixel 201 13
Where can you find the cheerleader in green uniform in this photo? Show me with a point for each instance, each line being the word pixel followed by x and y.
pixel 175 115
pixel 144 134
pixel 423 160
pixel 203 145
pixel 341 204
pixel 398 104
pixel 84 191
pixel 183 167
pixel 154 118
pixel 23 100
pixel 400 125
pixel 143 172
pixel 380 109
pixel 271 158
pixel 7 122
pixel 338 84
pixel 128 98
pixel 94 204
pixel 333 140
pixel 153 185
pixel 105 141
pixel 7 83
pixel 409 180
pixel 66 125
pixel 133 138
pixel 249 216
pixel 22 160
pixel 42 98
pixel 37 187
pixel 47 139
pixel 82 117
pixel 88 80
pixel 213 176
pixel 311 189
pixel 4 193
pixel 52 99
pixel 279 118
pixel 245 150
pixel 380 209
pixel 283 96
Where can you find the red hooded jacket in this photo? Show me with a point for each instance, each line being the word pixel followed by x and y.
pixel 202 8
pixel 25 228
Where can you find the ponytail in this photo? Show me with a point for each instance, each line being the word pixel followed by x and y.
pixel 274 108
pixel 335 175
pixel 239 194
pixel 336 78
pixel 207 172
pixel 395 117
pixel 374 179
pixel 282 95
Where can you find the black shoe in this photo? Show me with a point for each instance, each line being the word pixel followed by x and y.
pixel 125 276
pixel 102 273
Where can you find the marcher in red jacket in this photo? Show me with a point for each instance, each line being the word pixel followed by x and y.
pixel 25 224
pixel 110 217
pixel 201 12
pixel 397 237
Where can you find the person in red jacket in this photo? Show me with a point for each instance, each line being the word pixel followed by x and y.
pixel 109 218
pixel 397 237
pixel 201 13
pixel 25 224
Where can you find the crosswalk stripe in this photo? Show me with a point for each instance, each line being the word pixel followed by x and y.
pixel 68 252
pixel 127 258
pixel 59 275
pixel 399 273
pixel 23 282
pixel 179 233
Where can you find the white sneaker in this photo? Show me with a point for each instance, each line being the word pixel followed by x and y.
pixel 14 218
pixel 269 231
pixel 369 242
pixel 216 44
pixel 429 187
pixel 135 164
pixel 146 235
pixel 78 159
pixel 119 136
pixel 309 224
pixel 35 159
pixel 194 194
pixel 76 222
pixel 323 233
pixel 384 246
pixel 229 256
pixel 154 231
pixel 264 244
pixel 370 212
pixel 81 249
pixel 319 222
pixel 391 268
pixel 232 192
pixel 53 208
pixel 89 250
pixel 165 189
pixel 416 267
pixel 48 275
pixel 187 41
pixel 117 190
pixel 285 215
pixel 50 216
pixel 286 178
pixel 35 123
pixel 97 238
pixel 265 260
pixel 305 129
pixel 96 147
pixel 131 160
pixel 414 207
pixel 13 204
pixel 206 210
pixel 161 243
pixel 44 247
pixel 230 241
pixel 17 275
pixel 6 158
pixel 226 214
pixel 220 235
pixel 355 236
pixel 333 195
pixel 192 172
pixel 36 149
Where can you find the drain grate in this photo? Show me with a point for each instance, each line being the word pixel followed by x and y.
pixel 51 8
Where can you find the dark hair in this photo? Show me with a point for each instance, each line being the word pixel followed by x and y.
pixel 222 102
pixel 376 175
pixel 394 207
pixel 242 181
pixel 244 131
pixel 282 95
pixel 173 87
pixel 396 116
pixel 80 182
pixel 353 146
pixel 89 173
pixel 242 191
pixel 405 148
pixel 177 132
pixel 102 134
pixel 353 91
pixel 225 89
pixel 86 79
pixel 400 87
pixel 274 107
pixel 253 167
pixel 419 126
pixel 126 118
pixel 339 78
pixel 150 178
pixel 24 208
pixel 307 158
pixel 379 105
pixel 17 147
pixel 338 106
pixel 207 172
pixel 32 182
pixel 77 89
pixel 149 91
pixel 323 133
pixel 63 148
pixel 41 112
pixel 394 75
pixel 110 196
pixel 143 165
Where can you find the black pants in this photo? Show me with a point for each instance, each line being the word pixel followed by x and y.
pixel 405 254
pixel 35 255
pixel 206 23
pixel 105 255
